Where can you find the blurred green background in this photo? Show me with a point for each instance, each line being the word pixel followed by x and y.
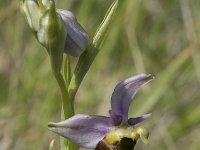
pixel 154 36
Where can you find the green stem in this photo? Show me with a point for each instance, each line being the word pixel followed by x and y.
pixel 67 69
pixel 67 110
pixel 67 105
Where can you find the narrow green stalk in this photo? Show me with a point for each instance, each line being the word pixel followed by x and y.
pixel 67 110
pixel 67 106
pixel 65 144
pixel 67 70
pixel 89 55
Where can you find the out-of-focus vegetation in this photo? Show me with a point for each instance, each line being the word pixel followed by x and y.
pixel 154 36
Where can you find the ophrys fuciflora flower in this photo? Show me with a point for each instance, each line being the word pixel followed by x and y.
pixel 116 132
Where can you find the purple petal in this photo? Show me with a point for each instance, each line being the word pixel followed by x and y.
pixel 134 121
pixel 77 38
pixel 124 92
pixel 84 130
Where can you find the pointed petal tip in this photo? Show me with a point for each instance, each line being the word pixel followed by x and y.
pixel 52 126
pixel 134 121
pixel 145 78
pixel 147 115
pixel 148 77
pixel 142 76
pixel 152 77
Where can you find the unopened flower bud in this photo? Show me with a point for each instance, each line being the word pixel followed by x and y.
pixel 37 14
pixel 46 3
pixel 52 35
pixel 77 38
pixel 32 12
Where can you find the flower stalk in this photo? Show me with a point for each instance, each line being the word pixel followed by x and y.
pixel 67 69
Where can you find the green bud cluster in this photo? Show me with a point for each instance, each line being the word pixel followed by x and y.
pixel 48 28
pixel 57 30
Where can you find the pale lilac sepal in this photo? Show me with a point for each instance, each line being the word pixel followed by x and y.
pixel 77 38
pixel 136 120
pixel 124 92
pixel 84 130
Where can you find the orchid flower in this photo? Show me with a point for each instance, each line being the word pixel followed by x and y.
pixel 101 132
